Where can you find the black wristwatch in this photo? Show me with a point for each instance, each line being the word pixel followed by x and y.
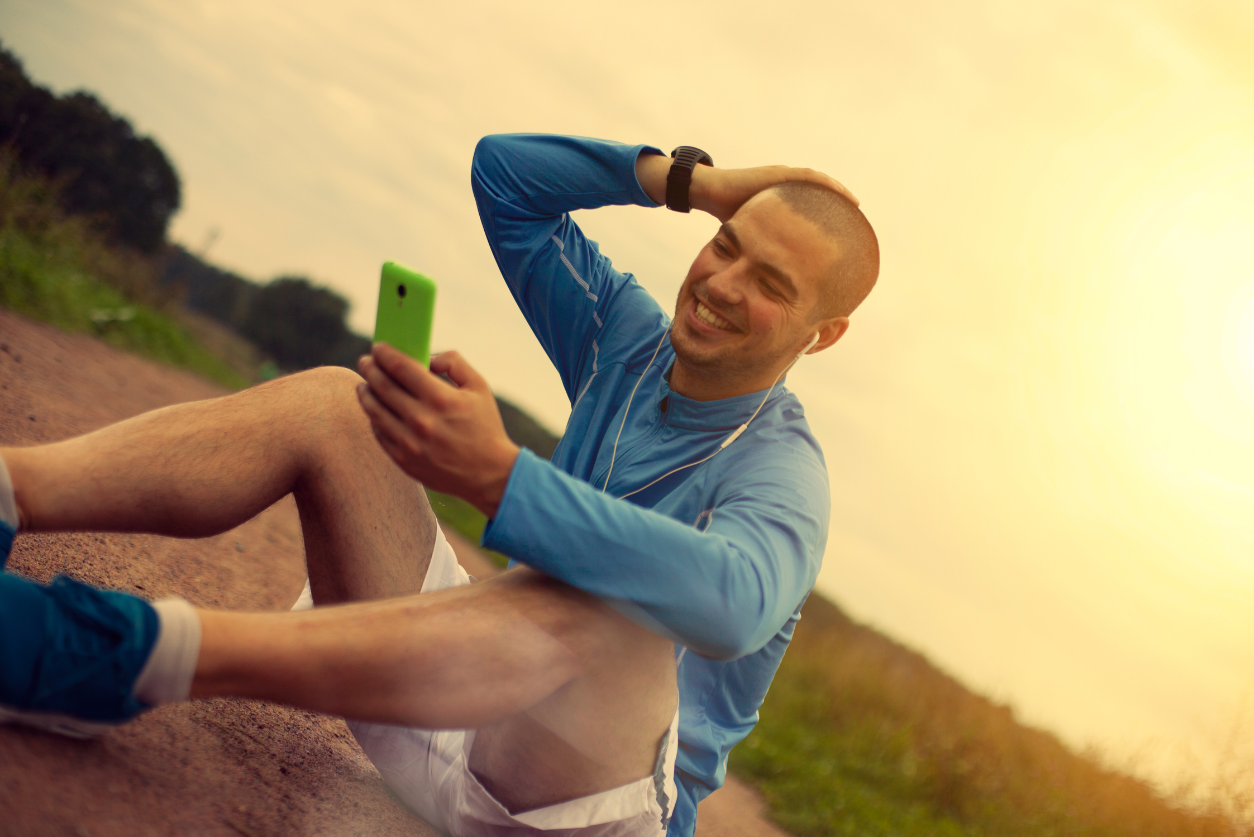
pixel 679 178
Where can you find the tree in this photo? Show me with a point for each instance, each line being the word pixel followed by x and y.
pixel 124 182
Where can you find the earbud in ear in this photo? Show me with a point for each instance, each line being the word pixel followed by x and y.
pixel 809 345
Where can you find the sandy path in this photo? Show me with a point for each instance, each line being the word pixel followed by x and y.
pixel 226 767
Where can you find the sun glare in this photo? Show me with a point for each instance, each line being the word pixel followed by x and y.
pixel 1181 349
pixel 1146 268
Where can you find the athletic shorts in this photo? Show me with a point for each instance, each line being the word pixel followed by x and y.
pixel 428 770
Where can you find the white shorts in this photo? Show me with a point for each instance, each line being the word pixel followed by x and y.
pixel 429 770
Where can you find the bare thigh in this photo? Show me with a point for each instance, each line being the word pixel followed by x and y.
pixel 600 730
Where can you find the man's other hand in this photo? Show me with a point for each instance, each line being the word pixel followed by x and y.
pixel 721 192
pixel 448 436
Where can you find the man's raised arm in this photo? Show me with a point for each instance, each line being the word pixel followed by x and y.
pixel 524 185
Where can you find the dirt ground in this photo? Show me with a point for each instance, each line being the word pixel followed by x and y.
pixel 216 767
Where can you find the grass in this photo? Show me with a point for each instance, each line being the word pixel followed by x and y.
pixel 859 735
pixel 61 271
pixel 820 778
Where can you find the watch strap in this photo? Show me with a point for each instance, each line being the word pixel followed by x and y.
pixel 679 178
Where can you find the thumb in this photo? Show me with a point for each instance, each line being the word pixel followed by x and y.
pixel 458 370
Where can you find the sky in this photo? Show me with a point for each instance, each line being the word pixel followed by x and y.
pixel 1040 427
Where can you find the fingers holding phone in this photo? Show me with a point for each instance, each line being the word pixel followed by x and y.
pixel 447 434
pixel 450 438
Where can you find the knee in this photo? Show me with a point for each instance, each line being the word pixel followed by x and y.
pixel 325 380
pixel 327 392
pixel 599 635
pixel 325 399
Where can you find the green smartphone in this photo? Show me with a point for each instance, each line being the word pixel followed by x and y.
pixel 406 310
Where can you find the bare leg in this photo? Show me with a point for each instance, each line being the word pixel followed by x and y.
pixel 198 469
pixel 570 698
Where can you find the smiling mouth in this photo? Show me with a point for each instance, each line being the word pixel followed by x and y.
pixel 705 315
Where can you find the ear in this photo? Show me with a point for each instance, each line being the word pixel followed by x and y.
pixel 830 330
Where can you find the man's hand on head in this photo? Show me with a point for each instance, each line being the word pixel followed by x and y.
pixel 448 436
pixel 721 192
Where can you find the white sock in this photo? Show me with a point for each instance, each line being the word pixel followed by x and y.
pixel 8 503
pixel 167 676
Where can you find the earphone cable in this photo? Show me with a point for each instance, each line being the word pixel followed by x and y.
pixel 627 409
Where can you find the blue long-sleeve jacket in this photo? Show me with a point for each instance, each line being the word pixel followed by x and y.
pixel 720 556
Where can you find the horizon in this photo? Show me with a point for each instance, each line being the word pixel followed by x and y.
pixel 1040 427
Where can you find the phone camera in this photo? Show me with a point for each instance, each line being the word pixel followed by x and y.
pixel 400 291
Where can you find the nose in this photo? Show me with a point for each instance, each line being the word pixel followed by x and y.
pixel 727 285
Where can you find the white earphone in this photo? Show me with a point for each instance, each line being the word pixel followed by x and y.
pixel 733 437
pixel 808 347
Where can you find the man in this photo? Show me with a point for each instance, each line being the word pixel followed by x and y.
pixel 687 496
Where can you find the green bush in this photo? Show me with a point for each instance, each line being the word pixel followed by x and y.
pixel 60 270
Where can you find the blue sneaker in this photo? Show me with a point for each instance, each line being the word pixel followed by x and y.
pixel 69 653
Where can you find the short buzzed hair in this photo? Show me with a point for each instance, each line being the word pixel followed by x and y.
pixel 854 274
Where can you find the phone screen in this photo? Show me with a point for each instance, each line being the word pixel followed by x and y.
pixel 406 311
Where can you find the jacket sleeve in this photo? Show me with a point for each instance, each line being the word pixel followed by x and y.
pixel 723 592
pixel 524 185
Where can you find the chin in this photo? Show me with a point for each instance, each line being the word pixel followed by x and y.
pixel 696 358
pixel 684 344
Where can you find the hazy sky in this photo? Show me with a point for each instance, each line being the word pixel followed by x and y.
pixel 1040 429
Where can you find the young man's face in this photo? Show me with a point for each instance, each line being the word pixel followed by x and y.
pixel 748 303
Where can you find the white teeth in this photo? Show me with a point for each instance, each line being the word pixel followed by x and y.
pixel 706 315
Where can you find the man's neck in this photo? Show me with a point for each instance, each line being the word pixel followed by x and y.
pixel 707 385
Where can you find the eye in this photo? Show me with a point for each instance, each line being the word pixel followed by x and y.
pixel 721 248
